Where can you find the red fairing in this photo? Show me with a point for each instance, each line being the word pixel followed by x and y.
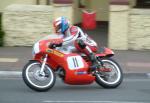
pixel 78 76
pixel 105 52
pixel 44 45
pixel 76 69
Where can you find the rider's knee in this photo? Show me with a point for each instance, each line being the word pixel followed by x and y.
pixel 81 44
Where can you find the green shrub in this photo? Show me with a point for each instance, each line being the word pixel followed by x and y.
pixel 1 38
pixel 1 32
pixel 0 21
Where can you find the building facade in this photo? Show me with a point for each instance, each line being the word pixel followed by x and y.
pixel 129 24
pixel 32 19
pixel 129 20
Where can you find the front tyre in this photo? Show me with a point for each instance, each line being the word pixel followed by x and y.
pixel 111 79
pixel 33 79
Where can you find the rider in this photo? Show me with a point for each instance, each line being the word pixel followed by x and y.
pixel 74 36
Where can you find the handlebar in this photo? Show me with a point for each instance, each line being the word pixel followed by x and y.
pixel 53 45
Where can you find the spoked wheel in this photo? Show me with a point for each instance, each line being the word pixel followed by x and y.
pixel 110 76
pixel 36 81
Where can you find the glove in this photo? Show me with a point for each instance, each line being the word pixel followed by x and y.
pixel 52 45
pixel 55 44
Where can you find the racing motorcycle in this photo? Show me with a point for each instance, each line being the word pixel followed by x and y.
pixel 73 68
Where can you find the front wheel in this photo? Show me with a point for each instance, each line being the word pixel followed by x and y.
pixel 112 78
pixel 33 79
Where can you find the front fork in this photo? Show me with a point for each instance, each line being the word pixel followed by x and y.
pixel 103 68
pixel 100 61
pixel 43 65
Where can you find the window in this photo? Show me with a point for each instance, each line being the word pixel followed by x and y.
pixel 63 1
pixel 142 3
pixel 48 2
pixel 37 2
pixel 45 2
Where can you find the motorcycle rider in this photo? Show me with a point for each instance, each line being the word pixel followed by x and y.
pixel 73 36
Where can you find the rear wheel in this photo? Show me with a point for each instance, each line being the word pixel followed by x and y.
pixel 36 81
pixel 112 78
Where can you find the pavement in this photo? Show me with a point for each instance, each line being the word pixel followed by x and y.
pixel 14 58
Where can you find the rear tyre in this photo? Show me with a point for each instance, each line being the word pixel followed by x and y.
pixel 34 80
pixel 110 79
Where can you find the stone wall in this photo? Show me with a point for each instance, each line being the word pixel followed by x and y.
pixel 118 27
pixel 25 24
pixel 139 31
pixel 63 9
pixel 129 28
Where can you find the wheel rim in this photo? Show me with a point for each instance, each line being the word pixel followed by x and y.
pixel 34 78
pixel 110 77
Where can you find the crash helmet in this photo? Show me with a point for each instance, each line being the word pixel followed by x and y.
pixel 61 24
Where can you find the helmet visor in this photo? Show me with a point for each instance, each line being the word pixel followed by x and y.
pixel 57 28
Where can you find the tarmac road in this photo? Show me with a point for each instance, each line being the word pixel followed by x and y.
pixel 14 58
pixel 134 89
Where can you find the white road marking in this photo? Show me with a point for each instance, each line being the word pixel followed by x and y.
pixel 136 80
pixel 7 74
pixel 91 102
pixel 10 72
pixel 11 60
pixel 138 64
pixel 148 74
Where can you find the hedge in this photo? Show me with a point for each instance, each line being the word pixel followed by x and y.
pixel 1 32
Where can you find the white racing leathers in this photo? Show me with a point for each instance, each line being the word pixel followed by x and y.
pixel 72 34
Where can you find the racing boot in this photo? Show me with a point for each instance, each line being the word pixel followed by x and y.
pixel 94 61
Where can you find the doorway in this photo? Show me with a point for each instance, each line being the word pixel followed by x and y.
pixel 101 7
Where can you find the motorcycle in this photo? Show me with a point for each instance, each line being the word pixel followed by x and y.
pixel 40 73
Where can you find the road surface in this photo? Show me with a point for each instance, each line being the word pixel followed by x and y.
pixel 134 89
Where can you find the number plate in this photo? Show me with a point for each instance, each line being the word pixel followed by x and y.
pixel 75 62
